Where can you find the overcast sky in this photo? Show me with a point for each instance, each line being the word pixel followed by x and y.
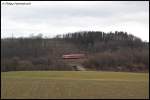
pixel 59 17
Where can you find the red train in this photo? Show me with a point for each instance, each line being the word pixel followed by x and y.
pixel 73 56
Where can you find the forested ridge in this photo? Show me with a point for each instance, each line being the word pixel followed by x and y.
pixel 115 51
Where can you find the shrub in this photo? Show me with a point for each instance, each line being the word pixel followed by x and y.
pixel 40 61
pixel 121 60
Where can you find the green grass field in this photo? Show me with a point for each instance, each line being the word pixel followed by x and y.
pixel 74 84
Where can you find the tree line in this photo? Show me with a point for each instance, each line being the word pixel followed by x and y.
pixel 91 39
pixel 107 51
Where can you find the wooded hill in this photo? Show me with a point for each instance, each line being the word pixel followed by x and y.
pixel 115 51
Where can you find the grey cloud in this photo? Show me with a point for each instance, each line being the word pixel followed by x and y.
pixel 38 14
pixel 84 15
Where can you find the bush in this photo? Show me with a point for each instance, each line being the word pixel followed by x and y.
pixel 61 66
pixel 40 61
pixel 121 60
pixel 9 64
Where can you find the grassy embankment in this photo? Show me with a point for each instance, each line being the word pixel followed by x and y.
pixel 74 84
